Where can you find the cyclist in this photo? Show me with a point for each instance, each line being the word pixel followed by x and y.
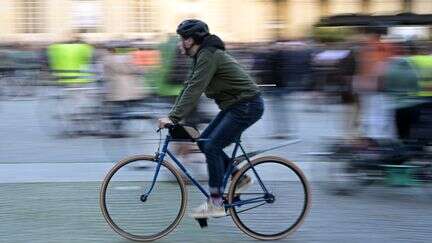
pixel 218 75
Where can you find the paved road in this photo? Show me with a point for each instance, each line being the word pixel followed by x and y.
pixel 49 186
pixel 69 212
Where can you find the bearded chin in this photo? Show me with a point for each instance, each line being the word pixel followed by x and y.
pixel 188 51
pixel 183 51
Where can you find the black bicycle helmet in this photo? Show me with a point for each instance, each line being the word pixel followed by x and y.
pixel 194 28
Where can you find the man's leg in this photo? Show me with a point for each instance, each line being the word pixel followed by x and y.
pixel 217 160
pixel 211 126
pixel 209 129
pixel 205 135
pixel 224 130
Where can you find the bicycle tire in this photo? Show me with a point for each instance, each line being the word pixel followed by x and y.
pixel 172 224
pixel 235 210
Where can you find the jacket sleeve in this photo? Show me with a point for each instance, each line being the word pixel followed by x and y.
pixel 203 73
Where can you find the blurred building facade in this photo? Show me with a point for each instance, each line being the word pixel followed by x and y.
pixel 233 20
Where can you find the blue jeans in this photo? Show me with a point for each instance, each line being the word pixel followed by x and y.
pixel 223 130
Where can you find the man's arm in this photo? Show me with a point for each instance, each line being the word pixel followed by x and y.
pixel 204 70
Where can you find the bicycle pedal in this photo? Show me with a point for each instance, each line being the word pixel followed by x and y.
pixel 202 222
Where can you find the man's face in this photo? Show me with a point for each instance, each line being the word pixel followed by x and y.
pixel 185 45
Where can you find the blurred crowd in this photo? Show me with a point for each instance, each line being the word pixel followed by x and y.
pixel 387 81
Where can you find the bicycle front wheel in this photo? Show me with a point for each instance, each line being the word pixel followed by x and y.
pixel 274 214
pixel 125 209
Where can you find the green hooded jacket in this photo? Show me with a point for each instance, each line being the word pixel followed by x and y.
pixel 218 75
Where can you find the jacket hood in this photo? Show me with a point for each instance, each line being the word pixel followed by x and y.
pixel 212 42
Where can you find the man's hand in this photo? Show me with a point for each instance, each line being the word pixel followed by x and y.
pixel 164 121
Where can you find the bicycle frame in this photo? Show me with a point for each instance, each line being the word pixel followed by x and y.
pixel 165 151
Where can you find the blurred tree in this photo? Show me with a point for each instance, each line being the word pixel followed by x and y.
pixel 332 34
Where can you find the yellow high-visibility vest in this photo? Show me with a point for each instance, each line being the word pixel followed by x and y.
pixel 70 62
pixel 423 64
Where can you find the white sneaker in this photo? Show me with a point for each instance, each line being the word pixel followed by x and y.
pixel 208 210
pixel 244 183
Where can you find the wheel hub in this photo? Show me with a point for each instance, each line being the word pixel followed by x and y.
pixel 269 198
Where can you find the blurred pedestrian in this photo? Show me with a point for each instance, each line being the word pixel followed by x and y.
pixel 291 69
pixel 122 85
pixel 71 64
pixel 376 118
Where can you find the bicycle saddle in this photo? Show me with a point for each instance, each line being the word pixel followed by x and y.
pixel 184 132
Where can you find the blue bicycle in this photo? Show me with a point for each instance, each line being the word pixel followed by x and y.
pixel 143 198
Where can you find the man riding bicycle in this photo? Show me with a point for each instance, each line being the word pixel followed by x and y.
pixel 218 75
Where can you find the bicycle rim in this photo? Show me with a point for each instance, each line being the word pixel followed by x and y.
pixel 271 221
pixel 121 205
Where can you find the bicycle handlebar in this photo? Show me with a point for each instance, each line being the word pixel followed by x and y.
pixel 167 126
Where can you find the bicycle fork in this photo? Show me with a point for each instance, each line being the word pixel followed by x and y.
pixel 144 196
pixel 159 157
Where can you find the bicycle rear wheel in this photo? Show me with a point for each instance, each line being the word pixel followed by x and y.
pixel 287 204
pixel 122 205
